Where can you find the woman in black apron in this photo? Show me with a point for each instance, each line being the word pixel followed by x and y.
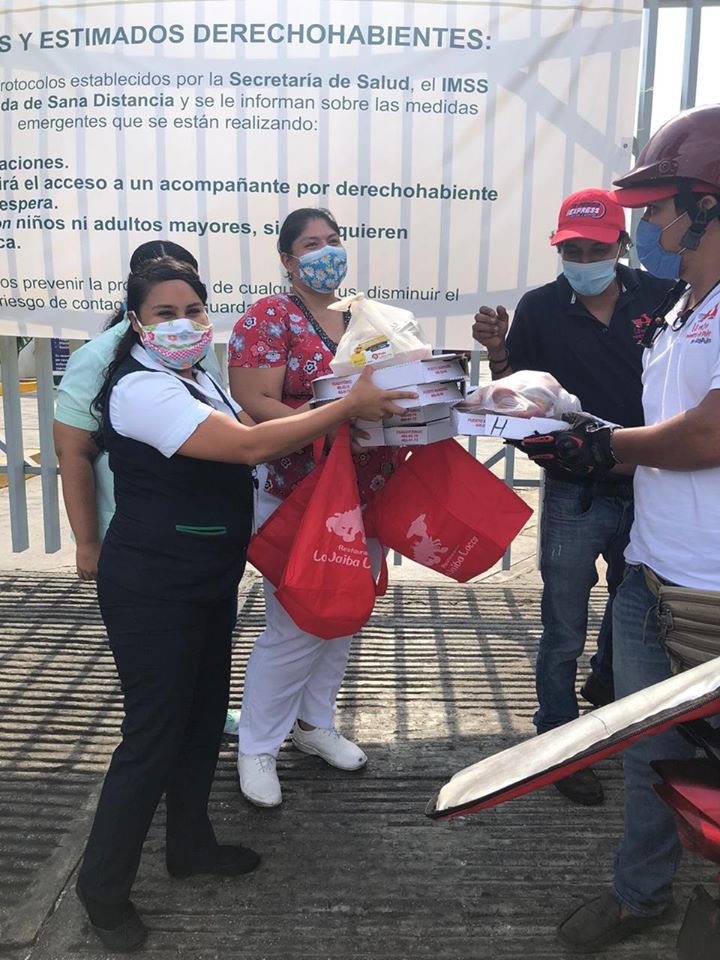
pixel 167 582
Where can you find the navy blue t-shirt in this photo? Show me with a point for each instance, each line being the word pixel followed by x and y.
pixel 602 365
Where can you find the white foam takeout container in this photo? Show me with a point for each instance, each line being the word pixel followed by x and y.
pixel 426 394
pixel 448 367
pixel 420 414
pixel 412 435
pixel 499 425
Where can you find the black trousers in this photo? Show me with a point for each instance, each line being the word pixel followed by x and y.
pixel 173 660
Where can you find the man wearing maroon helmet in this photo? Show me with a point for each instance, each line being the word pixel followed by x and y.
pixel 580 329
pixel 675 536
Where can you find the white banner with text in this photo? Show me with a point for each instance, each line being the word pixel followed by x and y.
pixel 441 135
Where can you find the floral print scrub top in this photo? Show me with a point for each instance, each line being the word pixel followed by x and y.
pixel 279 331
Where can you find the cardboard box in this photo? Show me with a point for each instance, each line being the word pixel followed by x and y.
pixel 428 394
pixel 498 425
pixel 419 414
pixel 419 434
pixel 431 393
pixel 376 435
pixel 416 435
pixel 447 367
pixel 450 366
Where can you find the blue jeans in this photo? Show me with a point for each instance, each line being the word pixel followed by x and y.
pixel 648 856
pixel 576 529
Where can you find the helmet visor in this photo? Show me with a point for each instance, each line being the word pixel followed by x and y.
pixel 644 194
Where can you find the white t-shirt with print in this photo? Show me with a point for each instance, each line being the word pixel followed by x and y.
pixel 159 410
pixel 676 531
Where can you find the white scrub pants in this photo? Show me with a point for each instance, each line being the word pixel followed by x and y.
pixel 290 674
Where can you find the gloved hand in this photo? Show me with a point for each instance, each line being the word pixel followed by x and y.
pixel 585 448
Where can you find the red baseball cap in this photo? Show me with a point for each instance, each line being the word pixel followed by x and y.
pixel 650 192
pixel 590 215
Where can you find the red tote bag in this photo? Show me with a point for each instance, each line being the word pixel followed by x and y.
pixel 448 512
pixel 327 586
pixel 270 545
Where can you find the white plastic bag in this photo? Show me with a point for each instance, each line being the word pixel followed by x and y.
pixel 527 393
pixel 378 334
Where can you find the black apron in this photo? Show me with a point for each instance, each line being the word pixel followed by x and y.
pixel 181 526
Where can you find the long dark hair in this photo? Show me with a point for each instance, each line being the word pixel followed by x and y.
pixel 139 285
pixel 153 250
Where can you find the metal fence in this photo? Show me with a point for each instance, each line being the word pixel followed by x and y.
pixel 682 20
pixel 688 16
pixel 18 467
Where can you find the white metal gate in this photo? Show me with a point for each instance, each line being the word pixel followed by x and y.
pixel 695 20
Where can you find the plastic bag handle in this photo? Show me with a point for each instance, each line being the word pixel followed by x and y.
pixel 375 319
pixel 382 580
pixel 318 447
pixel 369 313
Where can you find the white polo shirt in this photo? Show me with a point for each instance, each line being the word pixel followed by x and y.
pixel 159 410
pixel 676 531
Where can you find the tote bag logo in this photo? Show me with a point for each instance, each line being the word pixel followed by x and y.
pixel 347 525
pixel 430 552
pixel 426 549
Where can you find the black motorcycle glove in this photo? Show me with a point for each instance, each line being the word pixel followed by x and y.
pixel 585 448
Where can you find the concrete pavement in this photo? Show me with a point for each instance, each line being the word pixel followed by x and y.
pixel 351 867
pixel 441 676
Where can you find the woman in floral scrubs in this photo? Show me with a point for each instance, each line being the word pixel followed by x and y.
pixel 282 344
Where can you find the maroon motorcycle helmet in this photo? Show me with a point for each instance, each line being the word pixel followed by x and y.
pixel 681 160
pixel 684 154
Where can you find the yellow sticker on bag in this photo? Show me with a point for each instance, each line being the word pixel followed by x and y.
pixel 370 351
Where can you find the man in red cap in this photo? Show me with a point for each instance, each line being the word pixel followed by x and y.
pixel 675 536
pixel 580 329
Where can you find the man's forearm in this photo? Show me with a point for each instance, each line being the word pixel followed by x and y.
pixel 688 441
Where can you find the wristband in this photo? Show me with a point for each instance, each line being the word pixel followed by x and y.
pixel 612 448
pixel 502 359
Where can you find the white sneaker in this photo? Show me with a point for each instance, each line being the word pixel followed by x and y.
pixel 258 779
pixel 335 749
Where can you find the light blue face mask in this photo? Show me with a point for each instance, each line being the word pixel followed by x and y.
pixel 323 270
pixel 590 279
pixel 652 255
